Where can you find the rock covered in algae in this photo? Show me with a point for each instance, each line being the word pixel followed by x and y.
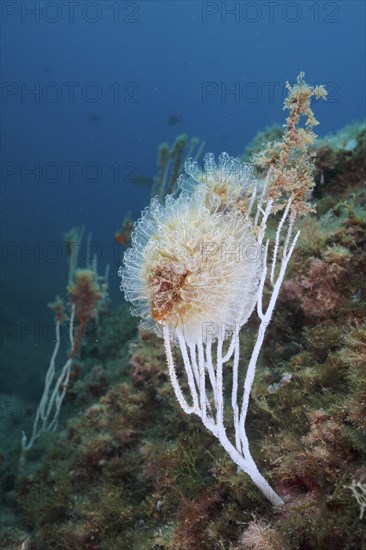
pixel 131 471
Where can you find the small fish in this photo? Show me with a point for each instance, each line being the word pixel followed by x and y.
pixel 123 235
pixel 143 180
pixel 94 118
pixel 120 238
pixel 174 119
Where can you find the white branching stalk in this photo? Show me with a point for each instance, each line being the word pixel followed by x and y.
pixel 48 411
pixel 205 374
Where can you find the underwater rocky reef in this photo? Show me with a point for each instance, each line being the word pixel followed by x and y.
pixel 128 470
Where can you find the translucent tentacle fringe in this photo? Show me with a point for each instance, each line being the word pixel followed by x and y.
pixel 199 266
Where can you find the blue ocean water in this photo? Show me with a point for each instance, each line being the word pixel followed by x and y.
pixel 91 89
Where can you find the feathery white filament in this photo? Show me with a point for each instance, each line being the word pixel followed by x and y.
pixel 190 266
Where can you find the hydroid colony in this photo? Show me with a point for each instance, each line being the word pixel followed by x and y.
pixel 188 262
pixel 199 264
